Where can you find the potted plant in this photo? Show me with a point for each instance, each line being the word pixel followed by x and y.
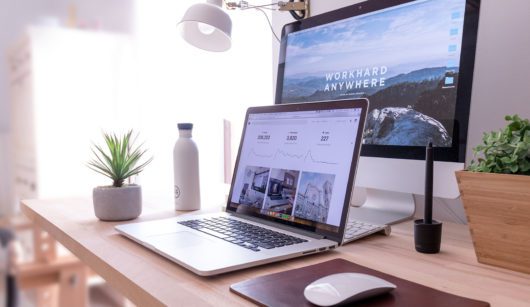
pixel 118 161
pixel 495 192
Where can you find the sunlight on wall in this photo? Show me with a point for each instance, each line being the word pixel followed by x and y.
pixel 180 83
pixel 66 86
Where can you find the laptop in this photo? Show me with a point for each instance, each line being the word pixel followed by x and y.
pixel 289 195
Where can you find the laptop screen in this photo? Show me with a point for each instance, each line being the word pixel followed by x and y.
pixel 295 166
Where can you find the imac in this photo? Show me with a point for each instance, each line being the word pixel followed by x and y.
pixel 414 62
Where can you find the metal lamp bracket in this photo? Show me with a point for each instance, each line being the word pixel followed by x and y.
pixel 302 6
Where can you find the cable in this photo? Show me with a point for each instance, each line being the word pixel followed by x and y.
pixel 269 22
pixel 267 8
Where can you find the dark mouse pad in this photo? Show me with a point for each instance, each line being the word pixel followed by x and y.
pixel 287 288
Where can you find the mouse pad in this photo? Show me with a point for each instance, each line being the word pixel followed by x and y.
pixel 287 288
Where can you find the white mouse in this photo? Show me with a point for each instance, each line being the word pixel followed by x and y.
pixel 345 288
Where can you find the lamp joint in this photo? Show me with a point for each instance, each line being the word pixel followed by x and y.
pixel 292 6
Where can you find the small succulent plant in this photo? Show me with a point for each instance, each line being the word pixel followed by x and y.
pixel 121 158
pixel 506 151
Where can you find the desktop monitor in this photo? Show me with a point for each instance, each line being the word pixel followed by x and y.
pixel 414 61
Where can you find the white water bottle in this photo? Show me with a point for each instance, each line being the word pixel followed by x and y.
pixel 186 170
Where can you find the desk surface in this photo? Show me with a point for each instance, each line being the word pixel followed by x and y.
pixel 148 279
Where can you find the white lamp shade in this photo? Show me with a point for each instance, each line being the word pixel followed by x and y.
pixel 206 26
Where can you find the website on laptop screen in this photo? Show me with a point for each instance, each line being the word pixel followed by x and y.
pixel 295 166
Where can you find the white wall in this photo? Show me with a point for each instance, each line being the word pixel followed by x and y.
pixel 500 84
pixel 15 16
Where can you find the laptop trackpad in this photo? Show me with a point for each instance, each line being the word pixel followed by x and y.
pixel 180 239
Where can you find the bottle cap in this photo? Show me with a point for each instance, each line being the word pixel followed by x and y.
pixel 185 126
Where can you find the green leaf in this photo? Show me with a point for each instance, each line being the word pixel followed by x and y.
pixel 524 165
pixel 506 160
pixel 118 160
pixel 526 138
pixel 506 150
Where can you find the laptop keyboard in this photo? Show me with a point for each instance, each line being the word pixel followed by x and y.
pixel 357 229
pixel 243 234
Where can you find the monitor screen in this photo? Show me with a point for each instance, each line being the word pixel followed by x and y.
pixel 404 56
pixel 296 166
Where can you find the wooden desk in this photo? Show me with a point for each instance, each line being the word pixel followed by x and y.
pixel 150 280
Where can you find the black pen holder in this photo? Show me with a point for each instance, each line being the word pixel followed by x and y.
pixel 427 237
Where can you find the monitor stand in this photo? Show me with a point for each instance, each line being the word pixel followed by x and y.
pixel 380 206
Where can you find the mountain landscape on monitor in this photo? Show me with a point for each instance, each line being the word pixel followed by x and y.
pixel 418 103
pixel 405 61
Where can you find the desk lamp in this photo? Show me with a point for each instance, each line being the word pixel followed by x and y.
pixel 208 27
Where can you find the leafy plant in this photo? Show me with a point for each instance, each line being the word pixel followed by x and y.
pixel 119 160
pixel 506 151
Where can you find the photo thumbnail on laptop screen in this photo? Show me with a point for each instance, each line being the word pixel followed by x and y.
pixel 295 166
pixel 405 59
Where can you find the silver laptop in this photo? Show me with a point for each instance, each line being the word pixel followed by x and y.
pixel 289 195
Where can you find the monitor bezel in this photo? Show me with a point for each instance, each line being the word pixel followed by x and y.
pixel 319 228
pixel 455 153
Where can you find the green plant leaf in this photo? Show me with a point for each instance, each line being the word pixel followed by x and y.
pixel 506 150
pixel 118 160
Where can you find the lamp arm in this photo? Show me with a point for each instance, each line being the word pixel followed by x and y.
pixel 292 6
pixel 298 10
pixel 244 5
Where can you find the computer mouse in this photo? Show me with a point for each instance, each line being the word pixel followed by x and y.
pixel 345 288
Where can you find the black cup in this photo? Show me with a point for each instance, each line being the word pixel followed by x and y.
pixel 427 237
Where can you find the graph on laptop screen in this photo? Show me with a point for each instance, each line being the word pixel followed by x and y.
pixel 295 166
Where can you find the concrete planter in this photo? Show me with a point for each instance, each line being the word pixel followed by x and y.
pixel 117 204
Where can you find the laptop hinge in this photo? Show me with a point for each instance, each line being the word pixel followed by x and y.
pixel 281 226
